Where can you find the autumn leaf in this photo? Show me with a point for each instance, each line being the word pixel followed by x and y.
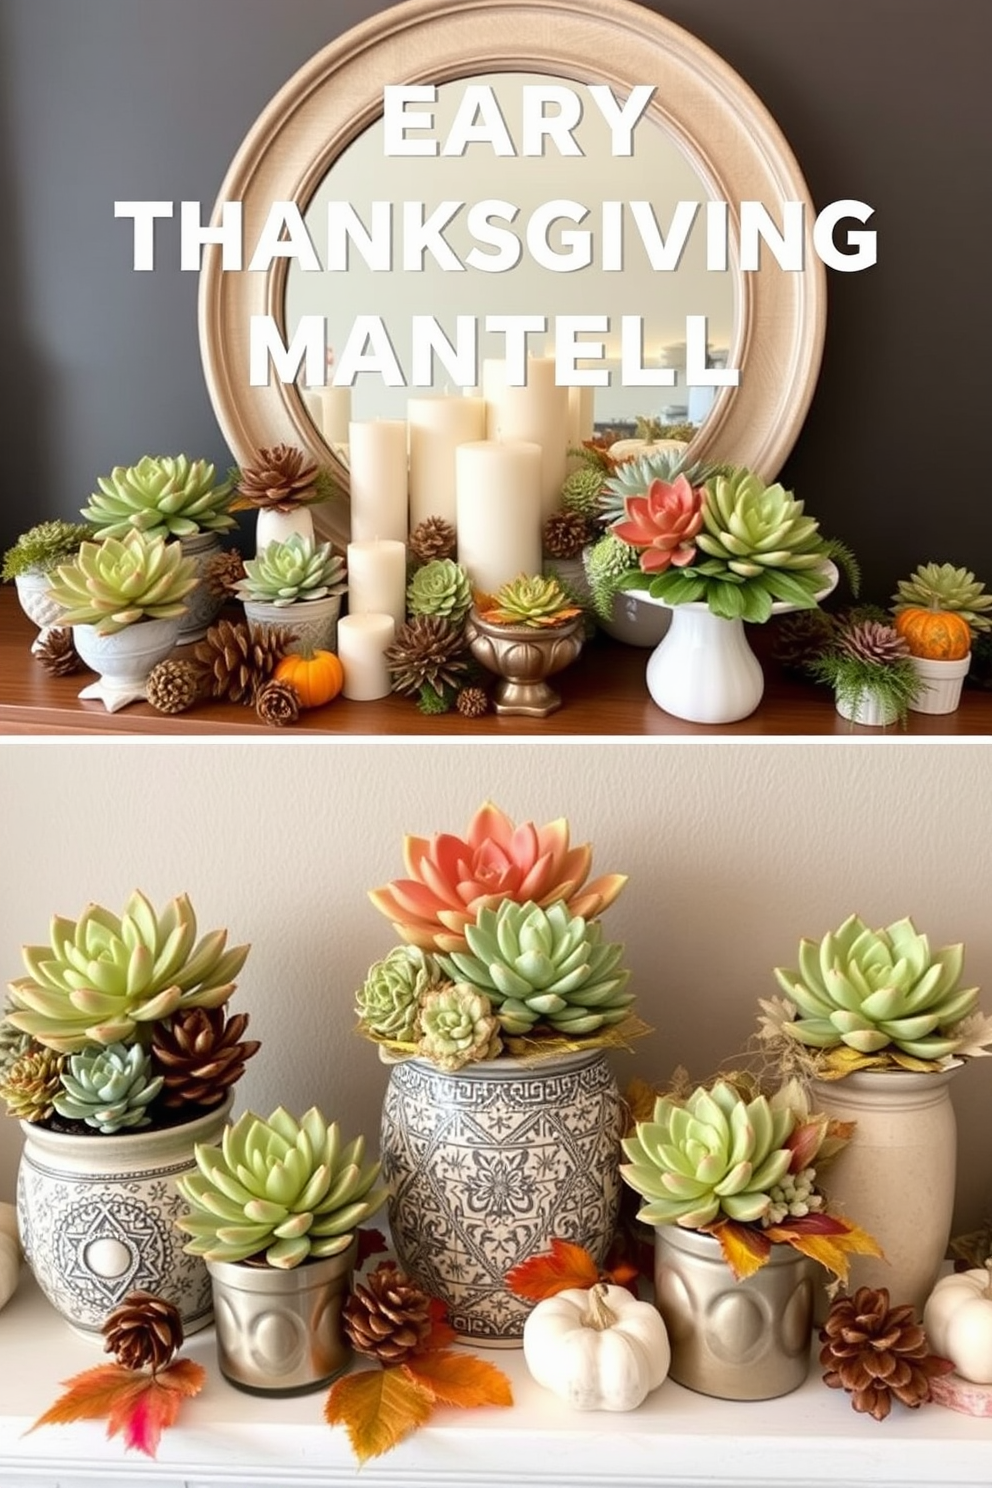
pixel 639 1098
pixel 442 1333
pixel 136 1405
pixel 459 1379
pixel 370 1243
pixel 832 1247
pixel 566 1265
pixel 377 1408
pixel 745 1250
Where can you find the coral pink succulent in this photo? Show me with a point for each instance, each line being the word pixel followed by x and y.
pixel 451 879
pixel 663 523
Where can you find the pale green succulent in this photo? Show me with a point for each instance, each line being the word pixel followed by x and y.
pixel 580 491
pixel 543 966
pixel 441 587
pixel 109 1089
pixel 277 1190
pixel 113 583
pixel 633 477
pixel 297 569
pixel 941 586
pixel 606 562
pixel 458 1027
pixel 161 496
pixel 877 990
pixel 13 1043
pixel 388 1003
pixel 534 601
pixel 42 547
pixel 104 979
pixel 718 1156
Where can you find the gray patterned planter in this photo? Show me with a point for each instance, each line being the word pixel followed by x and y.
pixel 487 1165
pixel 95 1215
pixel 202 605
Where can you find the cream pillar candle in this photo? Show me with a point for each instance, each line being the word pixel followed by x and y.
pixel 437 426
pixel 581 401
pixel 377 578
pixel 536 413
pixel 362 644
pixel 335 414
pixel 498 510
pixel 378 468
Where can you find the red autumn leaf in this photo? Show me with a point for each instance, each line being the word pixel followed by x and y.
pixel 370 1243
pixel 377 1408
pixel 459 1379
pixel 139 1406
pixel 808 1224
pixel 442 1333
pixel 566 1265
pixel 805 1142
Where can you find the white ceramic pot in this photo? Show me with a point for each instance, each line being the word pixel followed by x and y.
pixel 942 682
pixel 95 1215
pixel 32 594
pixel 635 623
pixel 896 1176
pixel 124 658
pixel 202 606
pixel 275 526
pixel 314 622
pixel 867 709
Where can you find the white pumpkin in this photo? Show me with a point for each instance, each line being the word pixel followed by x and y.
pixel 627 449
pixel 957 1320
pixel 598 1349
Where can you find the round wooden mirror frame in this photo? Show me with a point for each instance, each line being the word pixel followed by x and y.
pixel 728 134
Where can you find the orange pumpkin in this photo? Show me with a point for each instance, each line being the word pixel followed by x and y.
pixel 939 635
pixel 317 676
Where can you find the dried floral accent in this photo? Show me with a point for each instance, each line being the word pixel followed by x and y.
pixel 566 1266
pixel 876 1352
pixel 431 539
pixel 29 1084
pixel 472 702
pixel 566 533
pixel 235 658
pixel 281 479
pixel 277 703
pixel 173 685
pixel 200 1053
pixel 428 650
pixel 57 653
pixel 143 1332
pixel 222 571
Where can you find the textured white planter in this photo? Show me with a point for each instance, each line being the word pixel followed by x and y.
pixel 275 526
pixel 124 658
pixel 314 622
pixel 202 606
pixel 942 681
pixel 32 593
pixel 634 622
pixel 867 709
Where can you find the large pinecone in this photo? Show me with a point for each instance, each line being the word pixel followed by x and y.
pixel 431 539
pixel 282 478
pixel 429 650
pixel 200 1053
pixel 173 685
pixel 389 1318
pixel 235 658
pixel 870 640
pixel 57 653
pixel 143 1331
pixel 566 533
pixel 874 1351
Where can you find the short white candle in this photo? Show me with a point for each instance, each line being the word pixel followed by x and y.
pixel 378 469
pixel 499 511
pixel 437 426
pixel 362 644
pixel 536 413
pixel 377 578
pixel 335 414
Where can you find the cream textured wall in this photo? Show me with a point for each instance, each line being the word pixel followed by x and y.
pixel 733 851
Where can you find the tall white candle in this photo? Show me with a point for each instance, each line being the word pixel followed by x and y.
pixel 437 426
pixel 378 467
pixel 377 578
pixel 580 414
pixel 536 413
pixel 362 644
pixel 335 414
pixel 499 510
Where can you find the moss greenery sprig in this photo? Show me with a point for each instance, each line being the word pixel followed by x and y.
pixel 43 547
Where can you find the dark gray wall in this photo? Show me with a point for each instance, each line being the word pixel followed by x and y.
pixel 886 100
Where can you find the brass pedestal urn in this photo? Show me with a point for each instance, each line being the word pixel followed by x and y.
pixel 524 657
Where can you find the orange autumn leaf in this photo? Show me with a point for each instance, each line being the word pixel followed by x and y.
pixel 442 1333
pixel 136 1405
pixel 566 1265
pixel 377 1408
pixel 459 1379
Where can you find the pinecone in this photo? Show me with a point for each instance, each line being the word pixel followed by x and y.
pixel 389 1318
pixel 800 638
pixel 277 703
pixel 282 478
pixel 874 1351
pixel 173 685
pixel 870 640
pixel 57 653
pixel 472 702
pixel 427 649
pixel 566 533
pixel 200 1054
pixel 432 538
pixel 222 571
pixel 143 1331
pixel 235 658
pixel 30 1083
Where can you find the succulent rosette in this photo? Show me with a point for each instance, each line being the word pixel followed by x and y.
pixel 440 587
pixel 663 524
pixel 108 1088
pixel 458 1027
pixel 388 1003
pixel 116 582
pixel 162 496
pixel 295 570
pixel 535 601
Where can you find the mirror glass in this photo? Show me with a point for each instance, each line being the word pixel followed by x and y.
pixel 658 171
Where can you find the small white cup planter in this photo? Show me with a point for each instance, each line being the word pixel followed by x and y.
pixel 124 658
pixel 942 683
pixel 867 709
pixel 32 594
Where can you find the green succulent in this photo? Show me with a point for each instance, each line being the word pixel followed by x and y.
pixel 718 1156
pixel 633 477
pixel 161 496
pixel 458 1027
pixel 388 1003
pixel 941 586
pixel 534 601
pixel 278 1190
pixel 297 569
pixel 877 991
pixel 580 492
pixel 109 1088
pixel 113 583
pixel 441 587
pixel 607 562
pixel 103 978
pixel 543 965
pixel 29 1083
pixel 41 548
pixel 13 1043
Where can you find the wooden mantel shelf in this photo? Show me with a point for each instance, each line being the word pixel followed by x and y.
pixel 674 1440
pixel 603 694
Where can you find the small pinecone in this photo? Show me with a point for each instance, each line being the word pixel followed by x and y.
pixel 235 658
pixel 427 649
pixel 200 1054
pixel 57 653
pixel 30 1084
pixel 800 638
pixel 874 1351
pixel 472 702
pixel 277 703
pixel 173 685
pixel 432 538
pixel 143 1332
pixel 222 571
pixel 566 533
pixel 281 478
pixel 870 640
pixel 389 1318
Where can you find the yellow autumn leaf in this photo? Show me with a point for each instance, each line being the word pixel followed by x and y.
pixel 377 1408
